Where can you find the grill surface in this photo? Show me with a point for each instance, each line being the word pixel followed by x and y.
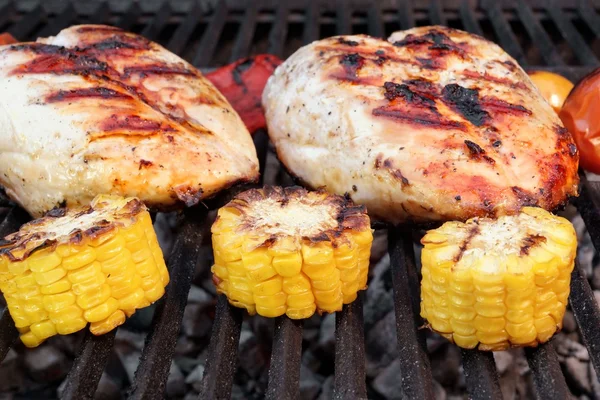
pixel 555 35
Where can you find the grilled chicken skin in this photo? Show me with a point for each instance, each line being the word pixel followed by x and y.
pixel 97 110
pixel 433 124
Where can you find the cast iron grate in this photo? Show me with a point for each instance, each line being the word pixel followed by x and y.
pixel 556 35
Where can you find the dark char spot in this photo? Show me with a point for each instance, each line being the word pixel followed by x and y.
pixel 466 102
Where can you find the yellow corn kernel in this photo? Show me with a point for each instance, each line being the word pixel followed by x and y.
pixel 289 251
pixel 96 277
pixel 494 284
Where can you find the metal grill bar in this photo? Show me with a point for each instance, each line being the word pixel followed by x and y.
pixel 576 42
pixel 436 14
pixel 405 15
pixel 374 20
pixel 481 375
pixel 588 207
pixel 350 372
pixel 547 375
pixel 589 15
pixel 415 371
pixel 101 14
pixel 468 19
pixel 284 372
pixel 587 314
pixel 279 29
pixel 504 34
pixel 222 352
pixel 245 34
pixel 87 368
pixel 155 361
pixel 343 15
pixel 211 36
pixel 185 30
pixel 312 26
pixel 62 21
pixel 538 35
pixel 26 25
pixel 157 24
pixel 128 19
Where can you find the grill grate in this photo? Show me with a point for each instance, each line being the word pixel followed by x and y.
pixel 552 36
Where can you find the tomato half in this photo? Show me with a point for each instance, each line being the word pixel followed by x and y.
pixel 581 116
pixel 555 88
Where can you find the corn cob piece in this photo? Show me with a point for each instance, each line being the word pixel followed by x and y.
pixel 92 265
pixel 289 251
pixel 493 284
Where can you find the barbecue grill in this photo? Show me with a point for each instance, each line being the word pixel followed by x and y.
pixel 554 35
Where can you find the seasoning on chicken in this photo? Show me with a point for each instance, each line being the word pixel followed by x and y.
pixel 288 251
pixel 94 264
pixel 493 284
pixel 433 124
pixel 98 110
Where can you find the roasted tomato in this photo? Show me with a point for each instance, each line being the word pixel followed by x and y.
pixel 7 38
pixel 581 116
pixel 555 88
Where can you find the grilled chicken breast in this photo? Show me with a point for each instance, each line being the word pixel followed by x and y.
pixel 97 110
pixel 433 124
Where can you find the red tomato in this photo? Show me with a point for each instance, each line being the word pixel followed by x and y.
pixel 555 88
pixel 581 116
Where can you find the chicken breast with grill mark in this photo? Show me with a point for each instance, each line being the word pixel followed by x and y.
pixel 98 110
pixel 433 124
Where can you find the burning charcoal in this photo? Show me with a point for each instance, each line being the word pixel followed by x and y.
pixel 327 389
pixel 196 324
pixel 381 344
pixel 175 382
pixel 46 364
pixel 194 378
pixel 11 376
pixel 107 389
pixel 310 384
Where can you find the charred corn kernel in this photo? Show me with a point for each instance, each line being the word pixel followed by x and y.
pixel 493 284
pixel 289 251
pixel 93 265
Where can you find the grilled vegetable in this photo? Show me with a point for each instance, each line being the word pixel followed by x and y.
pixel 498 283
pixel 290 251
pixel 242 83
pixel 581 115
pixel 7 38
pixel 554 87
pixel 95 265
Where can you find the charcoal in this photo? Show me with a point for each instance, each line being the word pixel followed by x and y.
pixel 381 344
pixel 379 299
pixel 569 323
pixel 197 295
pixel 585 249
pixel 141 320
pixel 388 383
pixel 175 382
pixel 46 364
pixel 445 363
pixel 187 364
pixel 438 391
pixel 130 359
pixel 196 323
pixel 311 360
pixel 594 382
pixel 129 339
pixel 11 376
pixel 186 347
pixel 577 375
pixel 310 384
pixel 194 378
pixel 504 360
pixel 107 389
pixel 252 358
pixel 379 246
pixel 327 389
pixel 327 333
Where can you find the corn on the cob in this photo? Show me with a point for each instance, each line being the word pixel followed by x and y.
pixel 95 265
pixel 493 284
pixel 290 251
